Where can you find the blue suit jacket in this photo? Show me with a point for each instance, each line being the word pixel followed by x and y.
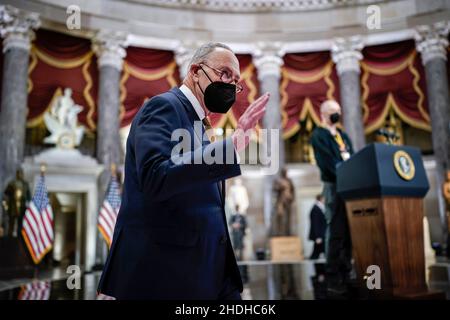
pixel 171 240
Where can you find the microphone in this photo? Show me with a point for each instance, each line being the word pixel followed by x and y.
pixel 389 135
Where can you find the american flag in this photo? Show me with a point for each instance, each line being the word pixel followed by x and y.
pixel 38 290
pixel 109 210
pixel 37 226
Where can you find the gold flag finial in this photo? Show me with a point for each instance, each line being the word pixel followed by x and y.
pixel 43 168
pixel 113 169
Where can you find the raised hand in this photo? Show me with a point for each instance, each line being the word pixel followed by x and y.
pixel 248 121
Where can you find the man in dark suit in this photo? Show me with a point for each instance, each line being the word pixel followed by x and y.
pixel 331 147
pixel 238 224
pixel 171 239
pixel 318 227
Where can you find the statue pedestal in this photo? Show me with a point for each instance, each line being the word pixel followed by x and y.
pixel 286 249
pixel 15 261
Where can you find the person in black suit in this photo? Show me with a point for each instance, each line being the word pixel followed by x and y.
pixel 318 227
pixel 332 146
pixel 238 224
pixel 171 237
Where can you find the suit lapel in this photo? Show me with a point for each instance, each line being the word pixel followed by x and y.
pixel 192 115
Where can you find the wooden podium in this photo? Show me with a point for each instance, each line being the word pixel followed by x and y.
pixel 383 187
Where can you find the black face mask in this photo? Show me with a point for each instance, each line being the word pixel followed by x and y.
pixel 335 117
pixel 219 96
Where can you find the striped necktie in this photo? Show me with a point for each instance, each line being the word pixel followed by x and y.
pixel 209 129
pixel 211 136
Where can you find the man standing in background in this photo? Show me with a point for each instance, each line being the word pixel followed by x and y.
pixel 318 227
pixel 331 147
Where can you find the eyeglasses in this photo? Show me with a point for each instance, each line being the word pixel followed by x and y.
pixel 225 76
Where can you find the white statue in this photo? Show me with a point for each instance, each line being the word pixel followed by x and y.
pixel 62 122
pixel 238 195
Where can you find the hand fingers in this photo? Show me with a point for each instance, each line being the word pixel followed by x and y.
pixel 255 111
pixel 257 116
pixel 262 105
pixel 263 99
pixel 257 102
pixel 258 107
pixel 264 96
pixel 263 102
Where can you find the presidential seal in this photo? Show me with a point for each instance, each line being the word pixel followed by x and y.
pixel 404 165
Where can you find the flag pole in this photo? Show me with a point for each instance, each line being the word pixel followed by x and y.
pixel 113 170
pixel 43 169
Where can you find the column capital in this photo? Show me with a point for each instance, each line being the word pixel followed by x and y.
pixel 183 55
pixel 109 46
pixel 346 53
pixel 16 27
pixel 431 41
pixel 268 59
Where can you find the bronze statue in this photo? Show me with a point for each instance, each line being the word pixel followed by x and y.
pixel 15 199
pixel 285 195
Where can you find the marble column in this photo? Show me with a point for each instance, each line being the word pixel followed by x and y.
pixel 16 30
pixel 268 63
pixel 110 50
pixel 432 43
pixel 346 54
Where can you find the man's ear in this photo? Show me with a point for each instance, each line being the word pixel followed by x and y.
pixel 194 70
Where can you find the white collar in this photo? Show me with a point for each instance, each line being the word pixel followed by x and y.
pixel 320 205
pixel 194 101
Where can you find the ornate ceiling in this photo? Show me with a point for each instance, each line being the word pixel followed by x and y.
pixel 255 6
pixel 246 25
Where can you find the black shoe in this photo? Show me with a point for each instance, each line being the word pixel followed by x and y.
pixel 337 289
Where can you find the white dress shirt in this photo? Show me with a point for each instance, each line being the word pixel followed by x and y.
pixel 194 101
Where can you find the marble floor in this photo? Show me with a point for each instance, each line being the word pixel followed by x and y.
pixel 264 280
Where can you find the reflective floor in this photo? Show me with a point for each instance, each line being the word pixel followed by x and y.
pixel 263 281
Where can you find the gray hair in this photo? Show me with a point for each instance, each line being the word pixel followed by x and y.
pixel 205 50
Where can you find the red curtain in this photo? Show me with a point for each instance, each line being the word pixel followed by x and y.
pixel 59 61
pixel 392 77
pixel 307 80
pixel 150 72
pixel 146 73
